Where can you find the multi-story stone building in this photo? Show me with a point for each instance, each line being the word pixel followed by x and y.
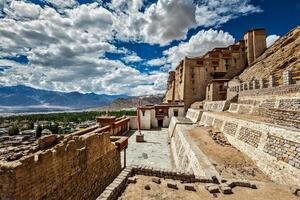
pixel 192 75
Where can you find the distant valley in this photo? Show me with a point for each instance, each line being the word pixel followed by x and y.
pixel 24 99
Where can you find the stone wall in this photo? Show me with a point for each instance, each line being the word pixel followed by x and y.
pixel 274 148
pixel 186 155
pixel 280 90
pixel 216 106
pixel 194 114
pixel 281 117
pixel 80 166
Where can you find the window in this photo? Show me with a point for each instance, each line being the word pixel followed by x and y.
pixel 175 113
pixel 235 60
pixel 143 113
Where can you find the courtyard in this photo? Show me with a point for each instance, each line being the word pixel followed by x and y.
pixel 155 151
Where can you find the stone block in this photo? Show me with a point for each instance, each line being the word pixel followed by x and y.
pixel 203 179
pixel 242 183
pixel 156 180
pixel 147 187
pixel 172 184
pixel 253 185
pixel 213 189
pixel 189 186
pixel 225 189
pixel 230 183
pixel 131 180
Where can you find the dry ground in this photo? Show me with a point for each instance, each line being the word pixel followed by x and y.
pixel 229 162
pixel 265 191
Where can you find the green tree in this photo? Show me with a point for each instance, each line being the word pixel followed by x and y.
pixel 38 131
pixel 14 130
pixel 30 125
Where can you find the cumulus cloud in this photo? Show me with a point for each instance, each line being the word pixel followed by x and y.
pixel 198 45
pixel 156 62
pixel 62 3
pixel 271 39
pixel 66 42
pixel 132 58
pixel 168 20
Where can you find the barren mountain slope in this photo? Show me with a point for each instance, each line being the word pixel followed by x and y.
pixel 284 53
pixel 131 102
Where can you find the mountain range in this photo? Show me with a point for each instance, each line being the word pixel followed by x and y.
pixel 22 98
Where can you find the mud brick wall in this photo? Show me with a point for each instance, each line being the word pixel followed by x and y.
pixel 249 136
pixel 79 167
pixel 284 150
pixel 230 128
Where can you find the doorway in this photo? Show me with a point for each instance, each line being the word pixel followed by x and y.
pixel 160 123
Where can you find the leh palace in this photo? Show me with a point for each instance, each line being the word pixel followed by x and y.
pixel 228 128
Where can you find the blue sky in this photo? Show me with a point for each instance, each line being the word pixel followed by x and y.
pixel 120 46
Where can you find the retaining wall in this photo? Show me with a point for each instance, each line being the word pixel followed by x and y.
pixel 187 156
pixel 216 106
pixel 78 167
pixel 194 114
pixel 275 149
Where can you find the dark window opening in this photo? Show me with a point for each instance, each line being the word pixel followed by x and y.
pixel 175 113
pixel 143 113
pixel 160 123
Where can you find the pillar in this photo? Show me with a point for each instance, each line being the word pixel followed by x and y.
pixel 261 83
pixel 271 81
pixel 287 77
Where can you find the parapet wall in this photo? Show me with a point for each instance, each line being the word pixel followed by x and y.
pixel 79 166
pixel 194 114
pixel 216 106
pixel 275 149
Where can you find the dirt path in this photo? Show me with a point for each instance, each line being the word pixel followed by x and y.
pixel 228 161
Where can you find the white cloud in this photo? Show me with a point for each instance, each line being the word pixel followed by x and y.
pixel 22 10
pixel 156 62
pixel 271 39
pixel 132 58
pixel 66 44
pixel 216 12
pixel 62 3
pixel 168 20
pixel 198 45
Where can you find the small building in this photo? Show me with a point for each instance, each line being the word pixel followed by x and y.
pixel 216 90
pixel 28 132
pixel 46 132
pixel 157 116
